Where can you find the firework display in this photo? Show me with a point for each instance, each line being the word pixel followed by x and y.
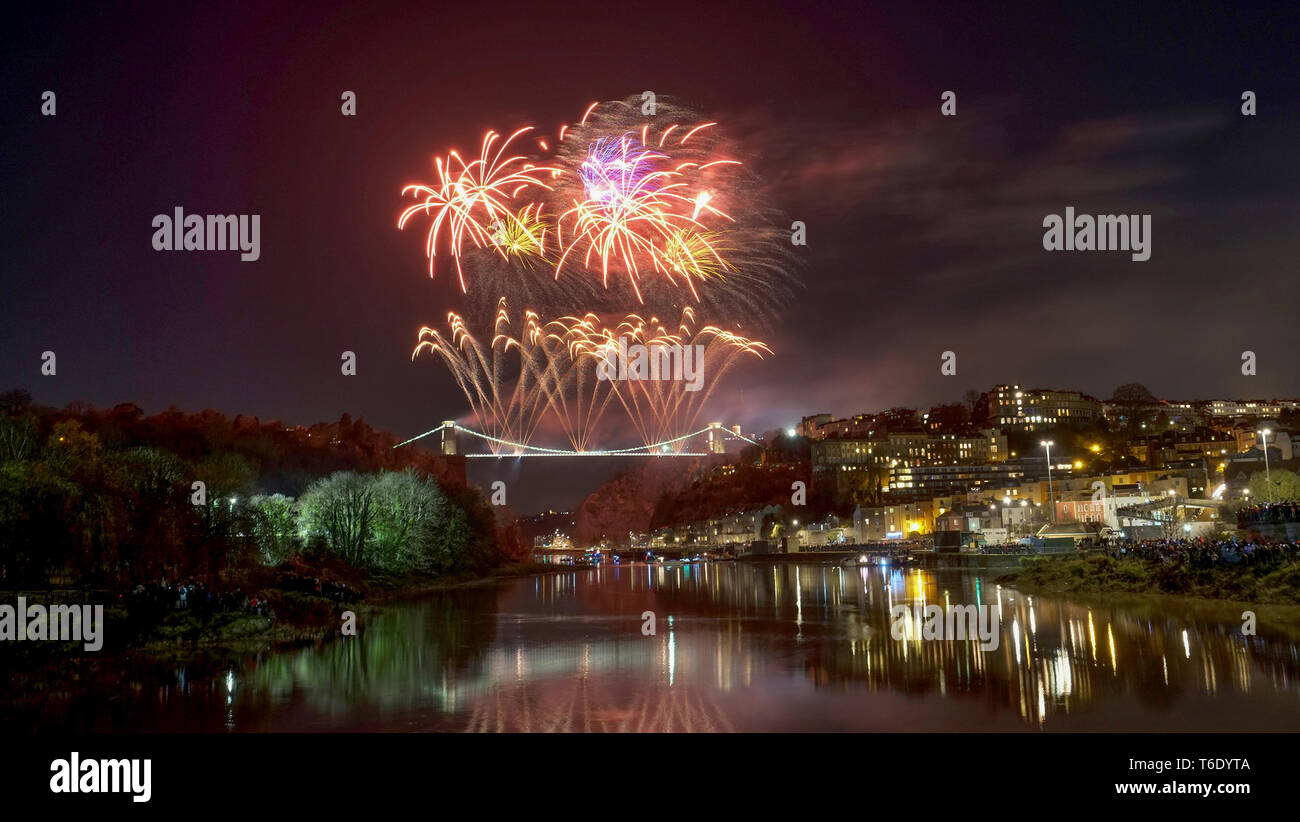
pixel 622 215
pixel 470 200
pixel 662 406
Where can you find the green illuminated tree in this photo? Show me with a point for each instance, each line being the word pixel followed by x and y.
pixel 339 510
pixel 274 523
pixel 1286 486
pixel 410 519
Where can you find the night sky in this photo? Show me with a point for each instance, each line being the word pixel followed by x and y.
pixel 924 232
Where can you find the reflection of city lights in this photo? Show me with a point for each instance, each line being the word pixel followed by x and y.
pixel 1061 679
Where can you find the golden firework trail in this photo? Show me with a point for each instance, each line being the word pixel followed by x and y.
pixel 553 370
pixel 660 409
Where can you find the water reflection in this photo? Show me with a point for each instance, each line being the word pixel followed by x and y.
pixel 745 647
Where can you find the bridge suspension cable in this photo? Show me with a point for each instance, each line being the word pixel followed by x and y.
pixel 527 450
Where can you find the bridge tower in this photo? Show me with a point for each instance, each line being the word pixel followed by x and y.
pixel 449 438
pixel 716 443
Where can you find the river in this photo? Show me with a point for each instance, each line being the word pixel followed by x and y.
pixel 736 647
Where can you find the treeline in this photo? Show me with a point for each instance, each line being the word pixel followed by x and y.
pixel 287 458
pixel 109 498
pixel 740 486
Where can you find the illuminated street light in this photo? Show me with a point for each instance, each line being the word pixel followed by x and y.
pixel 1268 478
pixel 1050 493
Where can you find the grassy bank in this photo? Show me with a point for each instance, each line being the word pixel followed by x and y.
pixel 289 617
pixel 1105 575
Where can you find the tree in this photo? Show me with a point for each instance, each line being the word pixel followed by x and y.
pixel 471 531
pixel 1134 393
pixel 1131 398
pixel 226 474
pixel 15 401
pixel 410 517
pixel 1286 486
pixel 229 477
pixel 339 510
pixel 18 437
pixel 870 486
pixel 35 533
pixel 273 520
pixel 151 486
pixel 70 447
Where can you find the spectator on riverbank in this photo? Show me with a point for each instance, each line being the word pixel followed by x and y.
pixel 1203 553
pixel 1269 512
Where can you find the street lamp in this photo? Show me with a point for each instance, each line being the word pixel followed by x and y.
pixel 1268 479
pixel 1051 495
pixel 1173 511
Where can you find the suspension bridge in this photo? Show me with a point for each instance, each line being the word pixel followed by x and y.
pixel 714 435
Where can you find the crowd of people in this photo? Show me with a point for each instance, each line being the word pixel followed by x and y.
pixel 198 597
pixel 1268 512
pixel 1206 553
pixel 191 596
pixel 1007 549
pixel 315 586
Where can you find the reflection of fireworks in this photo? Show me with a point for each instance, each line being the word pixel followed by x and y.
pixel 470 197
pixel 595 704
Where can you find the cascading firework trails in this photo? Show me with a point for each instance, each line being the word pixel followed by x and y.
pixel 661 409
pixel 622 211
pixel 513 382
pixel 504 381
